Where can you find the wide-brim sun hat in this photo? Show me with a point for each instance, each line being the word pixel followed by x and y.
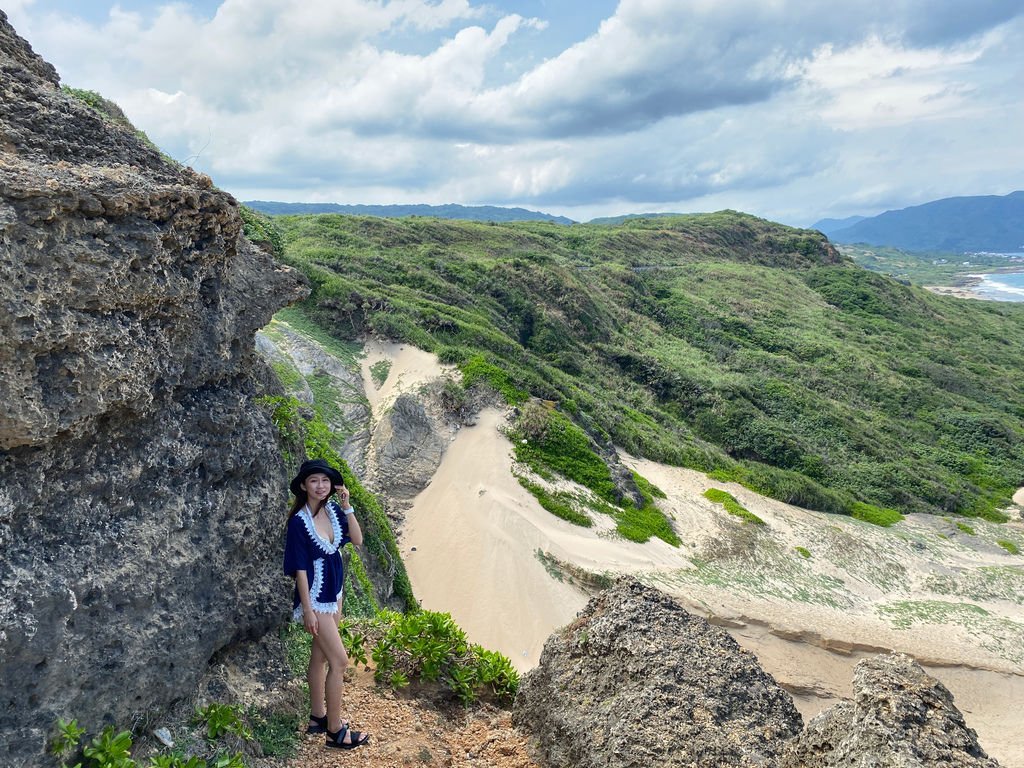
pixel 312 467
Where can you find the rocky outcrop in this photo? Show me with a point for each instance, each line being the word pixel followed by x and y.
pixel 635 680
pixel 141 489
pixel 899 716
pixel 406 449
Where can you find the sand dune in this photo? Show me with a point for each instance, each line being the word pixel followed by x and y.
pixel 926 588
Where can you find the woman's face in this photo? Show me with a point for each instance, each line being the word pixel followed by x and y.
pixel 318 486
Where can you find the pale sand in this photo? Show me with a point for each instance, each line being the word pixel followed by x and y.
pixel 411 368
pixel 476 532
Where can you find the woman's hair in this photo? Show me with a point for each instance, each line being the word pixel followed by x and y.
pixel 300 501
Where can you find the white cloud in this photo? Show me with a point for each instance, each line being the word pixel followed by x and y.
pixel 777 107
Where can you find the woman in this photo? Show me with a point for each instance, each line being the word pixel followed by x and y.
pixel 317 530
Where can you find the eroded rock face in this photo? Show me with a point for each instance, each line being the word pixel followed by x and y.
pixel 638 681
pixel 900 716
pixel 141 489
pixel 407 447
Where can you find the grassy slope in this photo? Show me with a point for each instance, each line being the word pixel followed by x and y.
pixel 721 342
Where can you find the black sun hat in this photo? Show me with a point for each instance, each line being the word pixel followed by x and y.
pixel 312 467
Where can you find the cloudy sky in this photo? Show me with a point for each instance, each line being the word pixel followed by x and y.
pixel 789 109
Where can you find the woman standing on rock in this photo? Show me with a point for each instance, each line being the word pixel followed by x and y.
pixel 317 530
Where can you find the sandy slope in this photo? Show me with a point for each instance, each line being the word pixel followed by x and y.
pixel 953 600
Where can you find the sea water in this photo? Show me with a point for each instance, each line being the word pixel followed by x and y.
pixel 1005 286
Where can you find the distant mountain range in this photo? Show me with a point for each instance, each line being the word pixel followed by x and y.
pixel 955 225
pixel 463 212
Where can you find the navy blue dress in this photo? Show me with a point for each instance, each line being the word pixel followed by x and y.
pixel 305 550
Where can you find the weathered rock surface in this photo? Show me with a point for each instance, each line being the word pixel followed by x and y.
pixel 141 489
pixel 900 717
pixel 406 449
pixel 638 681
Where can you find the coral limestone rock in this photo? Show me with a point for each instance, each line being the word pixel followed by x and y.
pixel 636 680
pixel 900 716
pixel 140 484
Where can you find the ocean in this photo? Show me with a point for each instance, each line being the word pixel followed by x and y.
pixel 1007 286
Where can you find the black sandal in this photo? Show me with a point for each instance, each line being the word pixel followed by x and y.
pixel 321 724
pixel 356 738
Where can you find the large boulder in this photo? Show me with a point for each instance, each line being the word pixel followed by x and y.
pixel 900 717
pixel 636 680
pixel 141 487
pixel 406 449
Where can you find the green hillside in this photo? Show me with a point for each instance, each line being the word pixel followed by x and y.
pixel 718 341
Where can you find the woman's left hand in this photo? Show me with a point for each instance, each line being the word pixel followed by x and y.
pixel 343 496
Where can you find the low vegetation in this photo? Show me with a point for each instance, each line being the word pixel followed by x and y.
pixel 1009 546
pixel 719 342
pixel 733 507
pixel 552 446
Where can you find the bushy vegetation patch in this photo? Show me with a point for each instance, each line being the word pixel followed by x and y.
pixel 732 506
pixel 1009 546
pixel 558 503
pixel 803 552
pixel 965 528
pixel 379 372
pixel 548 442
pixel 260 229
pixel 874 515
pixel 552 446
pixel 718 342
pixel 430 647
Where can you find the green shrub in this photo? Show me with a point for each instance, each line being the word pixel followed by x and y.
pixel 557 503
pixel 379 372
pixel 429 646
pixel 875 515
pixel 477 369
pixel 1009 546
pixel 221 719
pixel 803 552
pixel 732 506
pixel 563 448
pixel 965 528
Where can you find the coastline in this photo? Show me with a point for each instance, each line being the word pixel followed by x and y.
pixel 964 289
pixel 979 286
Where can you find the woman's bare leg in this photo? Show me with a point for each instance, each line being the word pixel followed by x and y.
pixel 328 640
pixel 316 678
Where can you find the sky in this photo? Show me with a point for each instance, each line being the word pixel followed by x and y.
pixel 793 110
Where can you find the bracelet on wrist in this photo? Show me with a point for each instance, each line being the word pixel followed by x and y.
pixel 349 511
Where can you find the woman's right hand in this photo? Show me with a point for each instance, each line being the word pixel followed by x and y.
pixel 310 622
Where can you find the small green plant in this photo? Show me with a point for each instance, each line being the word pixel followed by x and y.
pixel 1009 546
pixel 803 552
pixel 221 719
pixel 276 732
pixel 965 528
pixel 379 372
pixel 110 749
pixel 869 513
pixel 557 503
pixel 66 743
pixel 732 506
pixel 354 643
pixel 228 761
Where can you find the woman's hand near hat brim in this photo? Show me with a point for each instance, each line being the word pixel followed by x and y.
pixel 343 496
